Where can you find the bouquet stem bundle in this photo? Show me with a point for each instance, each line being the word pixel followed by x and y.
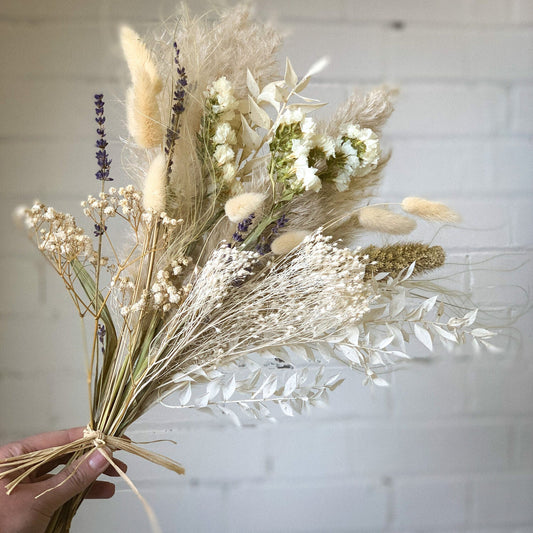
pixel 234 293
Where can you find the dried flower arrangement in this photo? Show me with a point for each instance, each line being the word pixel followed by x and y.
pixel 235 271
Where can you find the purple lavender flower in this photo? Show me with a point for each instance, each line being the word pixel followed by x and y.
pixel 99 230
pixel 243 227
pixel 101 335
pixel 101 156
pixel 178 97
pixel 263 247
pixel 280 223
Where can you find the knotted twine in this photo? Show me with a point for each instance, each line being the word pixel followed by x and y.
pixel 24 465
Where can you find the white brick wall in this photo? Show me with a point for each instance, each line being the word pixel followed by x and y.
pixel 448 448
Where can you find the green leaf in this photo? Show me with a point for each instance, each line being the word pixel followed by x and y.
pixel 96 302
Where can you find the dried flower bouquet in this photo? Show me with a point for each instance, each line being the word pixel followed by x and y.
pixel 235 292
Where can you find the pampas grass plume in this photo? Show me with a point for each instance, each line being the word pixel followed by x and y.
pixel 287 241
pixel 141 101
pixel 429 210
pixel 138 58
pixel 243 205
pixel 385 221
pixel 154 194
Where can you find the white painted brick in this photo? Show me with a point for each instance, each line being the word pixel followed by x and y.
pixel 485 224
pixel 430 448
pixel 422 503
pixel 12 234
pixel 98 10
pixel 522 220
pixel 69 404
pixel 333 94
pixel 489 11
pixel 312 10
pixel 62 9
pixel 57 109
pixel 504 500
pixel 522 109
pixel 453 110
pixel 214 453
pixel 356 56
pixel 47 169
pixel 20 287
pixel 503 388
pixel 407 10
pixel 78 50
pixel 304 451
pixel 427 53
pixel 524 447
pixel 493 54
pixel 430 169
pixel 138 10
pixel 51 346
pixel 513 164
pixel 522 11
pixel 501 279
pixel 353 400
pixel 318 507
pixel 430 390
pixel 188 509
pixel 24 405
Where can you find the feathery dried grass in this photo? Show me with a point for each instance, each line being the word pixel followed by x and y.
pixel 429 210
pixel 385 221
pixel 154 193
pixel 288 241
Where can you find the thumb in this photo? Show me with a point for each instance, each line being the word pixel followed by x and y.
pixel 72 480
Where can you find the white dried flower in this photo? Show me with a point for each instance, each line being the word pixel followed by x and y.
pixel 243 205
pixel 223 154
pixel 385 221
pixel 154 194
pixel 429 210
pixel 288 241
pixel 224 134
pixel 291 116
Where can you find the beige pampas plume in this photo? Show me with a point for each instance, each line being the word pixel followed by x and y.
pixel 369 110
pixel 429 210
pixel 385 221
pixel 287 241
pixel 243 205
pixel 144 118
pixel 154 193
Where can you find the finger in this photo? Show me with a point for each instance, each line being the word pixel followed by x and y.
pixel 41 441
pixel 72 480
pixel 47 467
pixel 101 490
pixel 110 470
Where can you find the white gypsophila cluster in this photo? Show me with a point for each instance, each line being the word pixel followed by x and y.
pixel 362 151
pixel 144 303
pixel 126 202
pixel 57 234
pixel 166 290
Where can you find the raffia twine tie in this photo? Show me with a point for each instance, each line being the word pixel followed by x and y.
pixel 24 465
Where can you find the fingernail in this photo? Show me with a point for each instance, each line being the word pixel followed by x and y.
pixel 97 461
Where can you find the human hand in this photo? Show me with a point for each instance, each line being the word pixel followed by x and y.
pixel 20 512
